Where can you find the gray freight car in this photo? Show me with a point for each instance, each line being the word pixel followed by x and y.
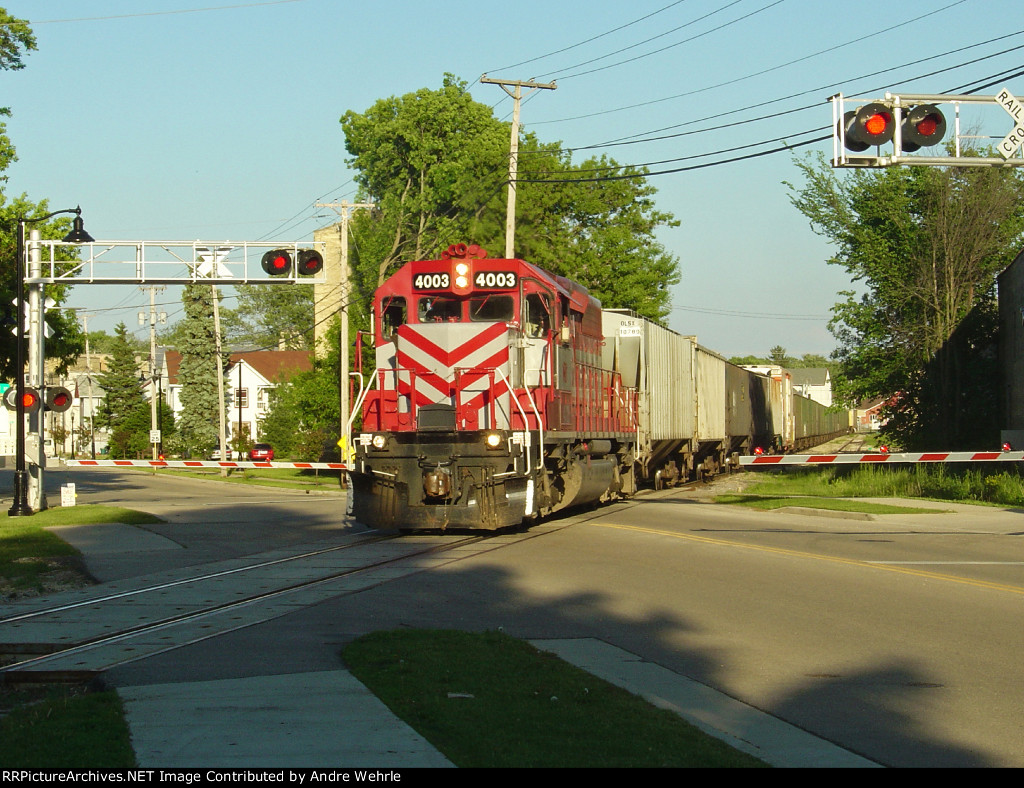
pixel 698 412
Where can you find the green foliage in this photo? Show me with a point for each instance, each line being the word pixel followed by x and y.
pixel 305 406
pixel 16 39
pixel 268 315
pixel 124 404
pixel 435 163
pixel 198 427
pixel 67 342
pixel 924 245
pixel 992 483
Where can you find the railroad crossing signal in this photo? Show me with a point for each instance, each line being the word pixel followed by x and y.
pixel 58 399
pixel 29 397
pixel 911 123
pixel 875 124
pixel 278 262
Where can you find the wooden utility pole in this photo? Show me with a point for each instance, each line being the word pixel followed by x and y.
pixel 343 208
pixel 513 160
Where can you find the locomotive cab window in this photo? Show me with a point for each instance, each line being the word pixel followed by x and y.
pixel 491 308
pixel 439 310
pixel 393 314
pixel 537 314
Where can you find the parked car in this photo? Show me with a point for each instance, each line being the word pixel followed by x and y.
pixel 215 455
pixel 262 452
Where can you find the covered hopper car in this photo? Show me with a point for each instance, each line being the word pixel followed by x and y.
pixel 502 393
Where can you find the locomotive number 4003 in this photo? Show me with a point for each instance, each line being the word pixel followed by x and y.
pixel 490 280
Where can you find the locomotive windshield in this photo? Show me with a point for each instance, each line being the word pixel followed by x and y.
pixel 483 308
pixel 491 308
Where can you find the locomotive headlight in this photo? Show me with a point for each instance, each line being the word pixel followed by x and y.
pixel 494 440
pixel 461 275
pixel 379 440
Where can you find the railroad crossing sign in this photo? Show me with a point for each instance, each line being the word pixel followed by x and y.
pixel 1015 110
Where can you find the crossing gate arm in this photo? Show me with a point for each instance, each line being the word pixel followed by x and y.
pixel 320 466
pixel 774 461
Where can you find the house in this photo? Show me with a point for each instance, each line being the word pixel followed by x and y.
pixel 249 379
pixel 814 383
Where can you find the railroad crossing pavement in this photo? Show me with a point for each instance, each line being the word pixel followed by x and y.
pixel 327 718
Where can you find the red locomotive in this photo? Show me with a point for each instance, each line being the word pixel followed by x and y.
pixel 502 393
pixel 489 404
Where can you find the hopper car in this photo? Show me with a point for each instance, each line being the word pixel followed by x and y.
pixel 502 393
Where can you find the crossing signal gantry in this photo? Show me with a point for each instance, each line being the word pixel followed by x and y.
pixel 897 125
pixel 180 263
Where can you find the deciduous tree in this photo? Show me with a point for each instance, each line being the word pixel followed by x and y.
pixel 924 246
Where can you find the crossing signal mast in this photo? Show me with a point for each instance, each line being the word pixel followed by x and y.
pixel 902 128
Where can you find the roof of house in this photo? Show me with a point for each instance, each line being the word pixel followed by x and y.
pixel 271 364
pixel 811 376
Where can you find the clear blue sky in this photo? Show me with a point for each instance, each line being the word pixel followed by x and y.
pixel 218 119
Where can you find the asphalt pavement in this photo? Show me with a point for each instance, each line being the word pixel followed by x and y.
pixel 268 701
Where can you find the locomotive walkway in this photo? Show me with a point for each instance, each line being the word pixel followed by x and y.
pixel 326 718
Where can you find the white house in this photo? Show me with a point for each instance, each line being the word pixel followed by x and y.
pixel 247 384
pixel 814 383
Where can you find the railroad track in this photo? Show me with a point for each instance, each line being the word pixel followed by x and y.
pixel 76 635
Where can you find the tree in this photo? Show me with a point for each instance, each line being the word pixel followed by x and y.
pixel 124 404
pixel 270 315
pixel 16 39
pixel 925 244
pixel 304 407
pixel 198 426
pixel 435 163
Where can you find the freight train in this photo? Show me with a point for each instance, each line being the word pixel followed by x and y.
pixel 502 393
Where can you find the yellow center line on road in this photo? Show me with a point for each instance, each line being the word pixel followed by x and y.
pixel 817 556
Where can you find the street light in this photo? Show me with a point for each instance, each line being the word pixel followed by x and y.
pixel 78 235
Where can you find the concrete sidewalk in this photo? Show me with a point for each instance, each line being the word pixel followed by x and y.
pixel 329 719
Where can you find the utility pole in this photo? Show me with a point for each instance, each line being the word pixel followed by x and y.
pixel 152 364
pixel 513 159
pixel 343 209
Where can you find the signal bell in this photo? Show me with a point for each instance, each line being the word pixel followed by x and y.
pixel 277 262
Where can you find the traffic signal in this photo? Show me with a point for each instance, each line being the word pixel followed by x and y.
pixel 923 125
pixel 277 262
pixel 58 399
pixel 309 262
pixel 30 399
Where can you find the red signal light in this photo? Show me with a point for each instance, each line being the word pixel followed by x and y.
pixel 923 125
pixel 874 124
pixel 30 399
pixel 277 263
pixel 309 262
pixel 58 399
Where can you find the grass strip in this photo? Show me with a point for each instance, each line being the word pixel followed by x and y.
pixel 488 700
pixel 29 553
pixel 769 502
pixel 64 730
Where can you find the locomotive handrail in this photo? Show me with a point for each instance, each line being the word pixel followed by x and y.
pixel 526 422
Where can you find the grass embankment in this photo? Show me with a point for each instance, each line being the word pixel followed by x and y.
pixel 489 700
pixel 990 485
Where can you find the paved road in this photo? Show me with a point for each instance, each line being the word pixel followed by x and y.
pixel 898 637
